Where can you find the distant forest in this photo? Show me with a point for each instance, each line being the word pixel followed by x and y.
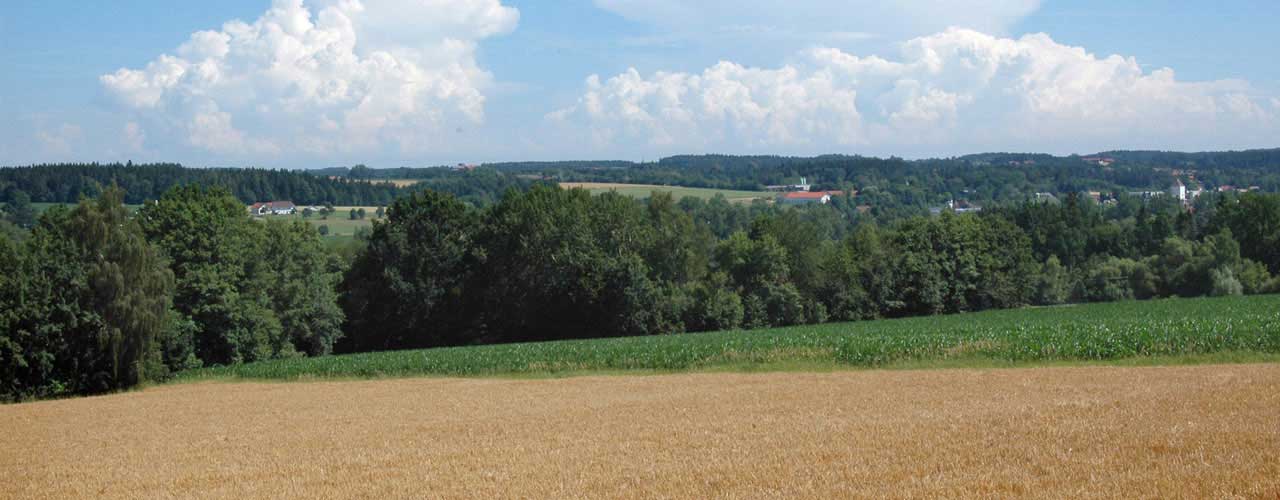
pixel 891 186
pixel 67 183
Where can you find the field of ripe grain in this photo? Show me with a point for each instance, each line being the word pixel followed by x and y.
pixel 646 190
pixel 1204 431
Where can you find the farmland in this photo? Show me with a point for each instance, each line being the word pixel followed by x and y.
pixel 1160 432
pixel 1175 330
pixel 645 190
pixel 341 226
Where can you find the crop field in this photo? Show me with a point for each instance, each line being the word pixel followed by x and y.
pixel 1076 432
pixel 646 190
pixel 1223 329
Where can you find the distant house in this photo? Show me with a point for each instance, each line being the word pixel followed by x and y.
pixel 273 208
pixel 1046 198
pixel 1099 160
pixel 807 198
pixel 957 206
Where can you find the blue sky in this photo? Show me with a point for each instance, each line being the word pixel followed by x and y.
pixel 422 82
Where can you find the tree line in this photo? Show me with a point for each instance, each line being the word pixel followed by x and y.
pixel 549 264
pixel 95 298
pixel 67 183
pixel 98 297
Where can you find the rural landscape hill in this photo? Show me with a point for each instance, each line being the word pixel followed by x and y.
pixel 386 249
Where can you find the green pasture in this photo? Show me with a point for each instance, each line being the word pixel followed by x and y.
pixel 1172 331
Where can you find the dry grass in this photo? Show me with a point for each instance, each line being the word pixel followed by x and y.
pixel 1206 431
pixel 404 182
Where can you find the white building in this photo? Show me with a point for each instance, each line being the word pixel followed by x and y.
pixel 1178 190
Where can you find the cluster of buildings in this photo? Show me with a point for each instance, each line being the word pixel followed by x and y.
pixel 1177 190
pixel 273 208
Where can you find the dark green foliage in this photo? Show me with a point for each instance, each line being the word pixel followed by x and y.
pixel 85 304
pixel 549 264
pixel 958 263
pixel 1254 220
pixel 67 183
pixel 302 281
pixel 249 290
pixel 564 264
pixel 406 289
pixel 18 211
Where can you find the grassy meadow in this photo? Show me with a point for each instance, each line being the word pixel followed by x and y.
pixel 645 190
pixel 1172 331
pixel 341 226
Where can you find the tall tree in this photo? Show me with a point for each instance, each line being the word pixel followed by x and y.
pixel 85 305
pixel 407 288
pixel 216 250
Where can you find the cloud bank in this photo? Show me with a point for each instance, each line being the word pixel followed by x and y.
pixel 342 76
pixel 958 89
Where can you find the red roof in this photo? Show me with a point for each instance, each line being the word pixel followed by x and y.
pixel 801 195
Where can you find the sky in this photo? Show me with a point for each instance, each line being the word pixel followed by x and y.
pixel 389 83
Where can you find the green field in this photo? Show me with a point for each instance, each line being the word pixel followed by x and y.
pixel 1164 331
pixel 678 192
pixel 341 227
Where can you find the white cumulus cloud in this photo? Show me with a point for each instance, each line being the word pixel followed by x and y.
pixel 339 76
pixel 957 90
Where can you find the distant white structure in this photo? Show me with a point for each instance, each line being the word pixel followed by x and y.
pixel 789 188
pixel 957 206
pixel 1178 190
pixel 1046 197
pixel 273 208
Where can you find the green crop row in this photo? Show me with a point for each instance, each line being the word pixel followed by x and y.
pixel 1098 332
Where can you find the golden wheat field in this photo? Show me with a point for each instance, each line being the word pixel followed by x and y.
pixel 1206 431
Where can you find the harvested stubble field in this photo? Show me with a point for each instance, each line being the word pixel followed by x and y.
pixel 1202 431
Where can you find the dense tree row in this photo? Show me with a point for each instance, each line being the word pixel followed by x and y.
pixel 95 298
pixel 554 264
pixel 67 183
